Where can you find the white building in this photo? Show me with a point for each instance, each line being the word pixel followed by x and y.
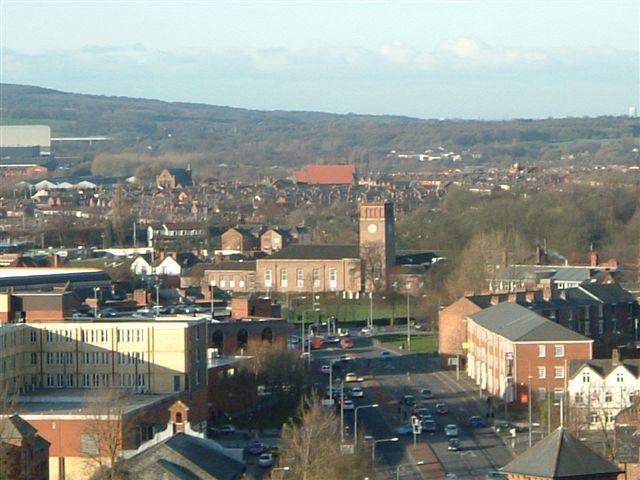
pixel 599 389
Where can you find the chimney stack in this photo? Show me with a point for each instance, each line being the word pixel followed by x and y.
pixel 594 260
pixel 615 357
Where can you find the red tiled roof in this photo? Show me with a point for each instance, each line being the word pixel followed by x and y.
pixel 326 174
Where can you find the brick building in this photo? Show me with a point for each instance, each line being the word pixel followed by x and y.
pixel 326 175
pixel 24 454
pixel 171 178
pixel 593 309
pixel 240 240
pixel 512 348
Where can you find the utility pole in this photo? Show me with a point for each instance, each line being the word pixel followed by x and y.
pixel 342 412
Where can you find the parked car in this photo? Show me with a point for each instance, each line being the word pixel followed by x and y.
pixel 421 410
pixel 506 427
pixel 343 332
pixel 442 408
pixel 493 475
pixel 408 400
pixel 348 405
pixel 325 369
pixel 350 377
pixel 477 422
pixel 451 430
pixel 426 393
pixel 404 429
pixel 428 425
pixel 357 392
pixel 451 476
pixel 255 447
pixel 223 430
pixel 107 312
pixel 385 355
pixel 454 445
pixel 265 460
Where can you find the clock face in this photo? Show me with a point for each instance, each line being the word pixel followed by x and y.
pixel 373 228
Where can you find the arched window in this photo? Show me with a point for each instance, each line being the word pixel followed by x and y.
pixel 217 339
pixel 267 335
pixel 243 338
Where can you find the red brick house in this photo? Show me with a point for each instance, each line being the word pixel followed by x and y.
pixel 23 453
pixel 512 347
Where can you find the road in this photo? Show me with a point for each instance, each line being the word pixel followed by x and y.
pixel 483 450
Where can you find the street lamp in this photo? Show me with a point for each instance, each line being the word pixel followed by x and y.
pixel 355 420
pixel 95 308
pixel 373 447
pixel 211 285
pixel 417 464
pixel 529 401
pixel 408 319
pixel 281 469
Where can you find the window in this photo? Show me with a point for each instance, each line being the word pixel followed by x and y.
pixel 610 417
pixel 578 397
pixel 558 393
pixel 542 393
pixel 558 351
pixel 197 377
pixel 558 372
pixel 333 277
pixel 33 336
pixel 542 351
pixel 619 377
pixel 299 278
pixel 593 418
pixel 34 358
pixel 608 397
pixel 267 277
pixel 542 372
pixel 223 281
pixel 232 281
pixel 176 383
pixel 89 444
pixel 587 327
pixel 284 282
pixel 600 327
pixel 316 277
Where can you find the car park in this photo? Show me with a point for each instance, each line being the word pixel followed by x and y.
pixel 454 445
pixel 357 392
pixel 442 408
pixel 451 430
pixel 266 460
pixel 426 393
pixel 223 430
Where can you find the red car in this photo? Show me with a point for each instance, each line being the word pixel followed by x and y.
pixel 346 343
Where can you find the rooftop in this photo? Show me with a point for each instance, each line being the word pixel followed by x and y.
pixel 313 252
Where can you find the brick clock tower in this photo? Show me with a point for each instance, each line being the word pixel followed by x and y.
pixel 377 245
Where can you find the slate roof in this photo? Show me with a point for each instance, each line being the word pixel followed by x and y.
pixel 249 265
pixel 519 324
pixel 313 252
pixel 186 457
pixel 182 176
pixel 16 428
pixel 609 293
pixel 604 366
pixel 560 455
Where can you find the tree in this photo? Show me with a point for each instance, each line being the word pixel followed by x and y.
pixel 108 236
pixel 105 430
pixel 310 446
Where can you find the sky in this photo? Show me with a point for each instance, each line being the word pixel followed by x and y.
pixel 489 60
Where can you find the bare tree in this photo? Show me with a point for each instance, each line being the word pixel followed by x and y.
pixel 310 446
pixel 105 430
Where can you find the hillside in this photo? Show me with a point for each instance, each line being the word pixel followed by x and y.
pixel 213 134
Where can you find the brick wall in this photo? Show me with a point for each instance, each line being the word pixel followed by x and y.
pixel 452 329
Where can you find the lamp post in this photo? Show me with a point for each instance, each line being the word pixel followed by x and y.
pixel 211 285
pixel 529 401
pixel 408 319
pixel 417 464
pixel 95 295
pixel 341 412
pixel 373 447
pixel 355 420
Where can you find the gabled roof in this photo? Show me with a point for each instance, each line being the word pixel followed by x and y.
pixel 16 428
pixel 519 324
pixel 605 366
pixel 326 174
pixel 313 252
pixel 607 293
pixel 560 455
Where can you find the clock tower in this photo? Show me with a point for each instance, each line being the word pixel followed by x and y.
pixel 377 245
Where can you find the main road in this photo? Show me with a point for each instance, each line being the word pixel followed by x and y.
pixel 401 374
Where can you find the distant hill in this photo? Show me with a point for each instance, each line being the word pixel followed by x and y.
pixel 251 137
